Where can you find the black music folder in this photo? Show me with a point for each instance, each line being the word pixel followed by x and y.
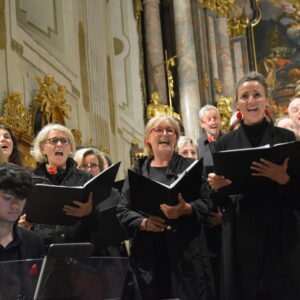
pixel 235 164
pixel 147 195
pixel 45 206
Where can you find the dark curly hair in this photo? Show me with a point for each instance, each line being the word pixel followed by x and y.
pixel 16 180
pixel 16 156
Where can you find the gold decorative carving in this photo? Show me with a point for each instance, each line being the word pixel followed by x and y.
pixel 170 62
pixel 136 152
pixel 138 8
pixel 237 26
pixel 222 8
pixel 155 108
pixel 15 116
pixel 51 102
pixel 224 104
pixel 77 137
pixel 218 86
pixel 2 25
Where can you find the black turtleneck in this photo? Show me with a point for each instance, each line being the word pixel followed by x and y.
pixel 254 132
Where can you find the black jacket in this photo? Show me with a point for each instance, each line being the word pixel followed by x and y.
pixel 176 261
pixel 261 230
pixel 81 230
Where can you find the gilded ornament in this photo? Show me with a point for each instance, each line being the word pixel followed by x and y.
pixel 222 8
pixel 51 102
pixel 218 86
pixel 77 137
pixel 15 116
pixel 224 104
pixel 237 26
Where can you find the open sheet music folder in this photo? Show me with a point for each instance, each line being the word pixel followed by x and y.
pixel 147 195
pixel 235 164
pixel 45 206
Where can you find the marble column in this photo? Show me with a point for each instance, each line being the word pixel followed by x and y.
pixel 227 73
pixel 154 50
pixel 96 33
pixel 187 68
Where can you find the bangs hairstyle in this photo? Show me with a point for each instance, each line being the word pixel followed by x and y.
pixel 16 180
pixel 81 154
pixel 41 139
pixel 253 76
pixel 154 122
pixel 16 155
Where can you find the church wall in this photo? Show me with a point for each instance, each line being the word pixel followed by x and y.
pixel 92 48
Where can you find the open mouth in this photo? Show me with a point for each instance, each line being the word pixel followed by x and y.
pixel 59 153
pixel 3 146
pixel 252 109
pixel 163 142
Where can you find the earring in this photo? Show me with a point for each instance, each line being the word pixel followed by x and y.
pixel 239 115
pixel 148 144
pixel 267 112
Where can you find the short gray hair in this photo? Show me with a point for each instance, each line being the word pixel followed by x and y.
pixel 206 108
pixel 293 103
pixel 40 141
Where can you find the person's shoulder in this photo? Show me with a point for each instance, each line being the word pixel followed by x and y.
pixel 284 132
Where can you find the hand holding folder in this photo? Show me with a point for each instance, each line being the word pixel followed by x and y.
pixel 46 204
pixel 147 195
pixel 235 165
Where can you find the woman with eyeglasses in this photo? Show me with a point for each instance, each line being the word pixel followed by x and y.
pixel 165 264
pixel 52 150
pixel 261 236
pixel 94 162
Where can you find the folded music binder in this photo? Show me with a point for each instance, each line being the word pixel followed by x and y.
pixel 45 206
pixel 147 195
pixel 235 164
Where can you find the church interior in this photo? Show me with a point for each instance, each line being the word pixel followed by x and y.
pixel 103 68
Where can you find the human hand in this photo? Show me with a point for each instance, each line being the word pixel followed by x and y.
pixel 23 223
pixel 217 181
pixel 275 172
pixel 82 209
pixel 215 218
pixel 174 212
pixel 153 223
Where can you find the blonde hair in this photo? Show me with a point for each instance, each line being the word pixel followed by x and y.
pixel 152 123
pixel 41 138
pixel 81 154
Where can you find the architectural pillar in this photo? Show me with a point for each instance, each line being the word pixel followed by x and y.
pixel 96 32
pixel 187 68
pixel 227 72
pixel 154 50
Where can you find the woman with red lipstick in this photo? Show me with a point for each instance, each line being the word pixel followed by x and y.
pixel 52 150
pixel 166 264
pixel 260 228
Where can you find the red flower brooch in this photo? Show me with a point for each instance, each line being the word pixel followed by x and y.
pixel 52 170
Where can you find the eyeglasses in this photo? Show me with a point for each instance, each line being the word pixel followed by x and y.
pixel 161 131
pixel 55 140
pixel 92 166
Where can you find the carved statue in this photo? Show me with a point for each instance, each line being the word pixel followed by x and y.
pixel 51 101
pixel 224 106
